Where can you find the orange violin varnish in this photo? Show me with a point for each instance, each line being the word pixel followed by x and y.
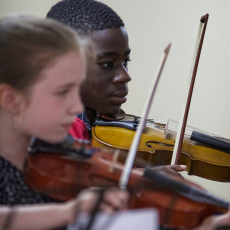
pixel 62 176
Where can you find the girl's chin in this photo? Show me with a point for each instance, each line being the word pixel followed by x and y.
pixel 56 139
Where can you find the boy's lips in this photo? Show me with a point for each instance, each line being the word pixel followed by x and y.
pixel 119 97
pixel 121 93
pixel 118 100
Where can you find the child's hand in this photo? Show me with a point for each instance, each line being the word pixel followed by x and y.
pixel 113 200
pixel 169 170
pixel 216 222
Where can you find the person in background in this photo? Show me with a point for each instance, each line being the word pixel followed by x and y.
pixel 105 88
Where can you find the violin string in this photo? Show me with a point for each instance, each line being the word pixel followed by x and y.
pixel 138 161
pixel 122 155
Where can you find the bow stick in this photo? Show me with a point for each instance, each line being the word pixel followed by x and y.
pixel 135 143
pixel 192 77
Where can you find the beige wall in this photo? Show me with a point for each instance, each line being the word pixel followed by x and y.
pixel 151 25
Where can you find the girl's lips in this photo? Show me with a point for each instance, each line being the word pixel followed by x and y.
pixel 67 126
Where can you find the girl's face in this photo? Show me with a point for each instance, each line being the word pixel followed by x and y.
pixel 52 103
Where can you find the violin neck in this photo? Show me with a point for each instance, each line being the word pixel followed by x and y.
pixel 185 190
pixel 213 141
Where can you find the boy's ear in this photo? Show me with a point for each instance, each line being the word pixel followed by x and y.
pixel 9 99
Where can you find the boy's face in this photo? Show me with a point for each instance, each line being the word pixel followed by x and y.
pixel 105 87
pixel 52 103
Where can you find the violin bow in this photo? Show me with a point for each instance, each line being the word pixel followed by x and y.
pixel 192 77
pixel 135 143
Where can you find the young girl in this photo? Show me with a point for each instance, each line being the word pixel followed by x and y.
pixel 42 65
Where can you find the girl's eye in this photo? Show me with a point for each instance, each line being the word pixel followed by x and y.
pixel 63 92
pixel 126 62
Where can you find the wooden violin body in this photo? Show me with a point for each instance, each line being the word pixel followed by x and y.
pixel 62 176
pixel 156 147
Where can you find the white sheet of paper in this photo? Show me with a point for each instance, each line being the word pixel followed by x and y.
pixel 146 219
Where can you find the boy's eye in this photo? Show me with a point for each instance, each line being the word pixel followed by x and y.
pixel 106 65
pixel 126 62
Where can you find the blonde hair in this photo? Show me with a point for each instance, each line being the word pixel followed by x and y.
pixel 29 44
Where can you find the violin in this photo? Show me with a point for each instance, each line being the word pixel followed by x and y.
pixel 205 155
pixel 203 158
pixel 61 172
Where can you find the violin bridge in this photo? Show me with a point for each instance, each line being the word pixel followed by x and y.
pixel 114 160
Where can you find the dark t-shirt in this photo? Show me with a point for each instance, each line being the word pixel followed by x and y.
pixel 14 190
